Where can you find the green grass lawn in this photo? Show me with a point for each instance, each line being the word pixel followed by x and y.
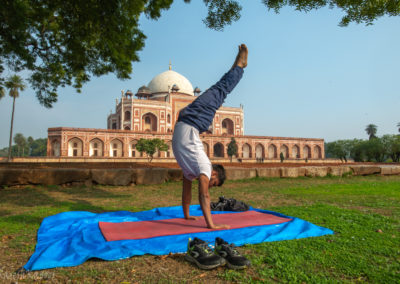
pixel 364 212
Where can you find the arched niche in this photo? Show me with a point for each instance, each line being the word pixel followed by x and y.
pixel 149 122
pixel 307 152
pixel 317 152
pixel 75 147
pixel 96 147
pixel 116 147
pixel 218 150
pixel 246 151
pixel 227 126
pixel 272 152
pixel 285 151
pixel 259 151
pixel 295 152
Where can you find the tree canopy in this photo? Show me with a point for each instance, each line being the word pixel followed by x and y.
pixel 65 43
pixel 33 147
pixel 379 149
pixel 232 148
pixel 151 146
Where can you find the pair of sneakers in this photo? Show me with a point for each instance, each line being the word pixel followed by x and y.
pixel 200 253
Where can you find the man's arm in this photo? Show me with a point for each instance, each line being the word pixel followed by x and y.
pixel 187 198
pixel 204 199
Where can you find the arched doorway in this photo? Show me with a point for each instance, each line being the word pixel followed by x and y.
pixel 219 150
pixel 116 147
pixel 307 152
pixel 96 148
pixel 227 126
pixel 149 122
pixel 295 152
pixel 259 151
pixel 285 151
pixel 272 152
pixel 317 152
pixel 75 147
pixel 246 151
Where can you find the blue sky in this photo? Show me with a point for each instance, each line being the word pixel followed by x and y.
pixel 307 77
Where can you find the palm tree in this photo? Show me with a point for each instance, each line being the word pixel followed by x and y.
pixel 371 130
pixel 14 84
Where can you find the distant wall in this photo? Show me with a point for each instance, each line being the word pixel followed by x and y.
pixel 156 160
pixel 127 176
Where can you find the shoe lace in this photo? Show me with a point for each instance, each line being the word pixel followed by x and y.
pixel 205 248
pixel 232 249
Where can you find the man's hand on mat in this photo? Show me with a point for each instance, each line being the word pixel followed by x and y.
pixel 192 218
pixel 220 226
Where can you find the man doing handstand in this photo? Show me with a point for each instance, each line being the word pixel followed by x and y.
pixel 188 148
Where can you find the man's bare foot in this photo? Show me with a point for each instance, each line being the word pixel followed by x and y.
pixel 241 58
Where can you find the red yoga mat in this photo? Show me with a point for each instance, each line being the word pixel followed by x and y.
pixel 168 227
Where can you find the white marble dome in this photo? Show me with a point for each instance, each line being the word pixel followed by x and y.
pixel 167 79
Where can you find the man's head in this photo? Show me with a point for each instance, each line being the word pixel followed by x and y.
pixel 217 175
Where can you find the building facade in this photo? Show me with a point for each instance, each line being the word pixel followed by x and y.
pixel 152 113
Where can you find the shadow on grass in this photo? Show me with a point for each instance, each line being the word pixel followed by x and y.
pixel 33 197
pixel 83 191
pixel 32 218
pixel 5 212
pixel 23 219
pixel 29 197
pixel 80 205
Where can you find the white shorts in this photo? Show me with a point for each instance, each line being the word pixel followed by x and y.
pixel 189 151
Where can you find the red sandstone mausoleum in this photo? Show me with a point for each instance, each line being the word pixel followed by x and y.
pixel 152 113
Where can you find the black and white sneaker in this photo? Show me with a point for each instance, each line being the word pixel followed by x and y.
pixel 202 255
pixel 234 259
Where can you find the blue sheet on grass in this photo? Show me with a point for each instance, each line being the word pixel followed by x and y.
pixel 70 238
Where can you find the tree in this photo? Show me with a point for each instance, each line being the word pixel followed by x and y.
pixel 357 150
pixel 65 43
pixel 374 150
pixel 391 145
pixel 39 147
pixel 355 11
pixel 151 146
pixel 282 157
pixel 21 142
pixel 398 125
pixel 371 130
pixel 14 84
pixel 338 149
pixel 30 141
pixel 232 148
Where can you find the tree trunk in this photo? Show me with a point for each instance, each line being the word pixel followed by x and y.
pixel 11 130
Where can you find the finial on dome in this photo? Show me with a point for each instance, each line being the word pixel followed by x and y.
pixel 170 67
